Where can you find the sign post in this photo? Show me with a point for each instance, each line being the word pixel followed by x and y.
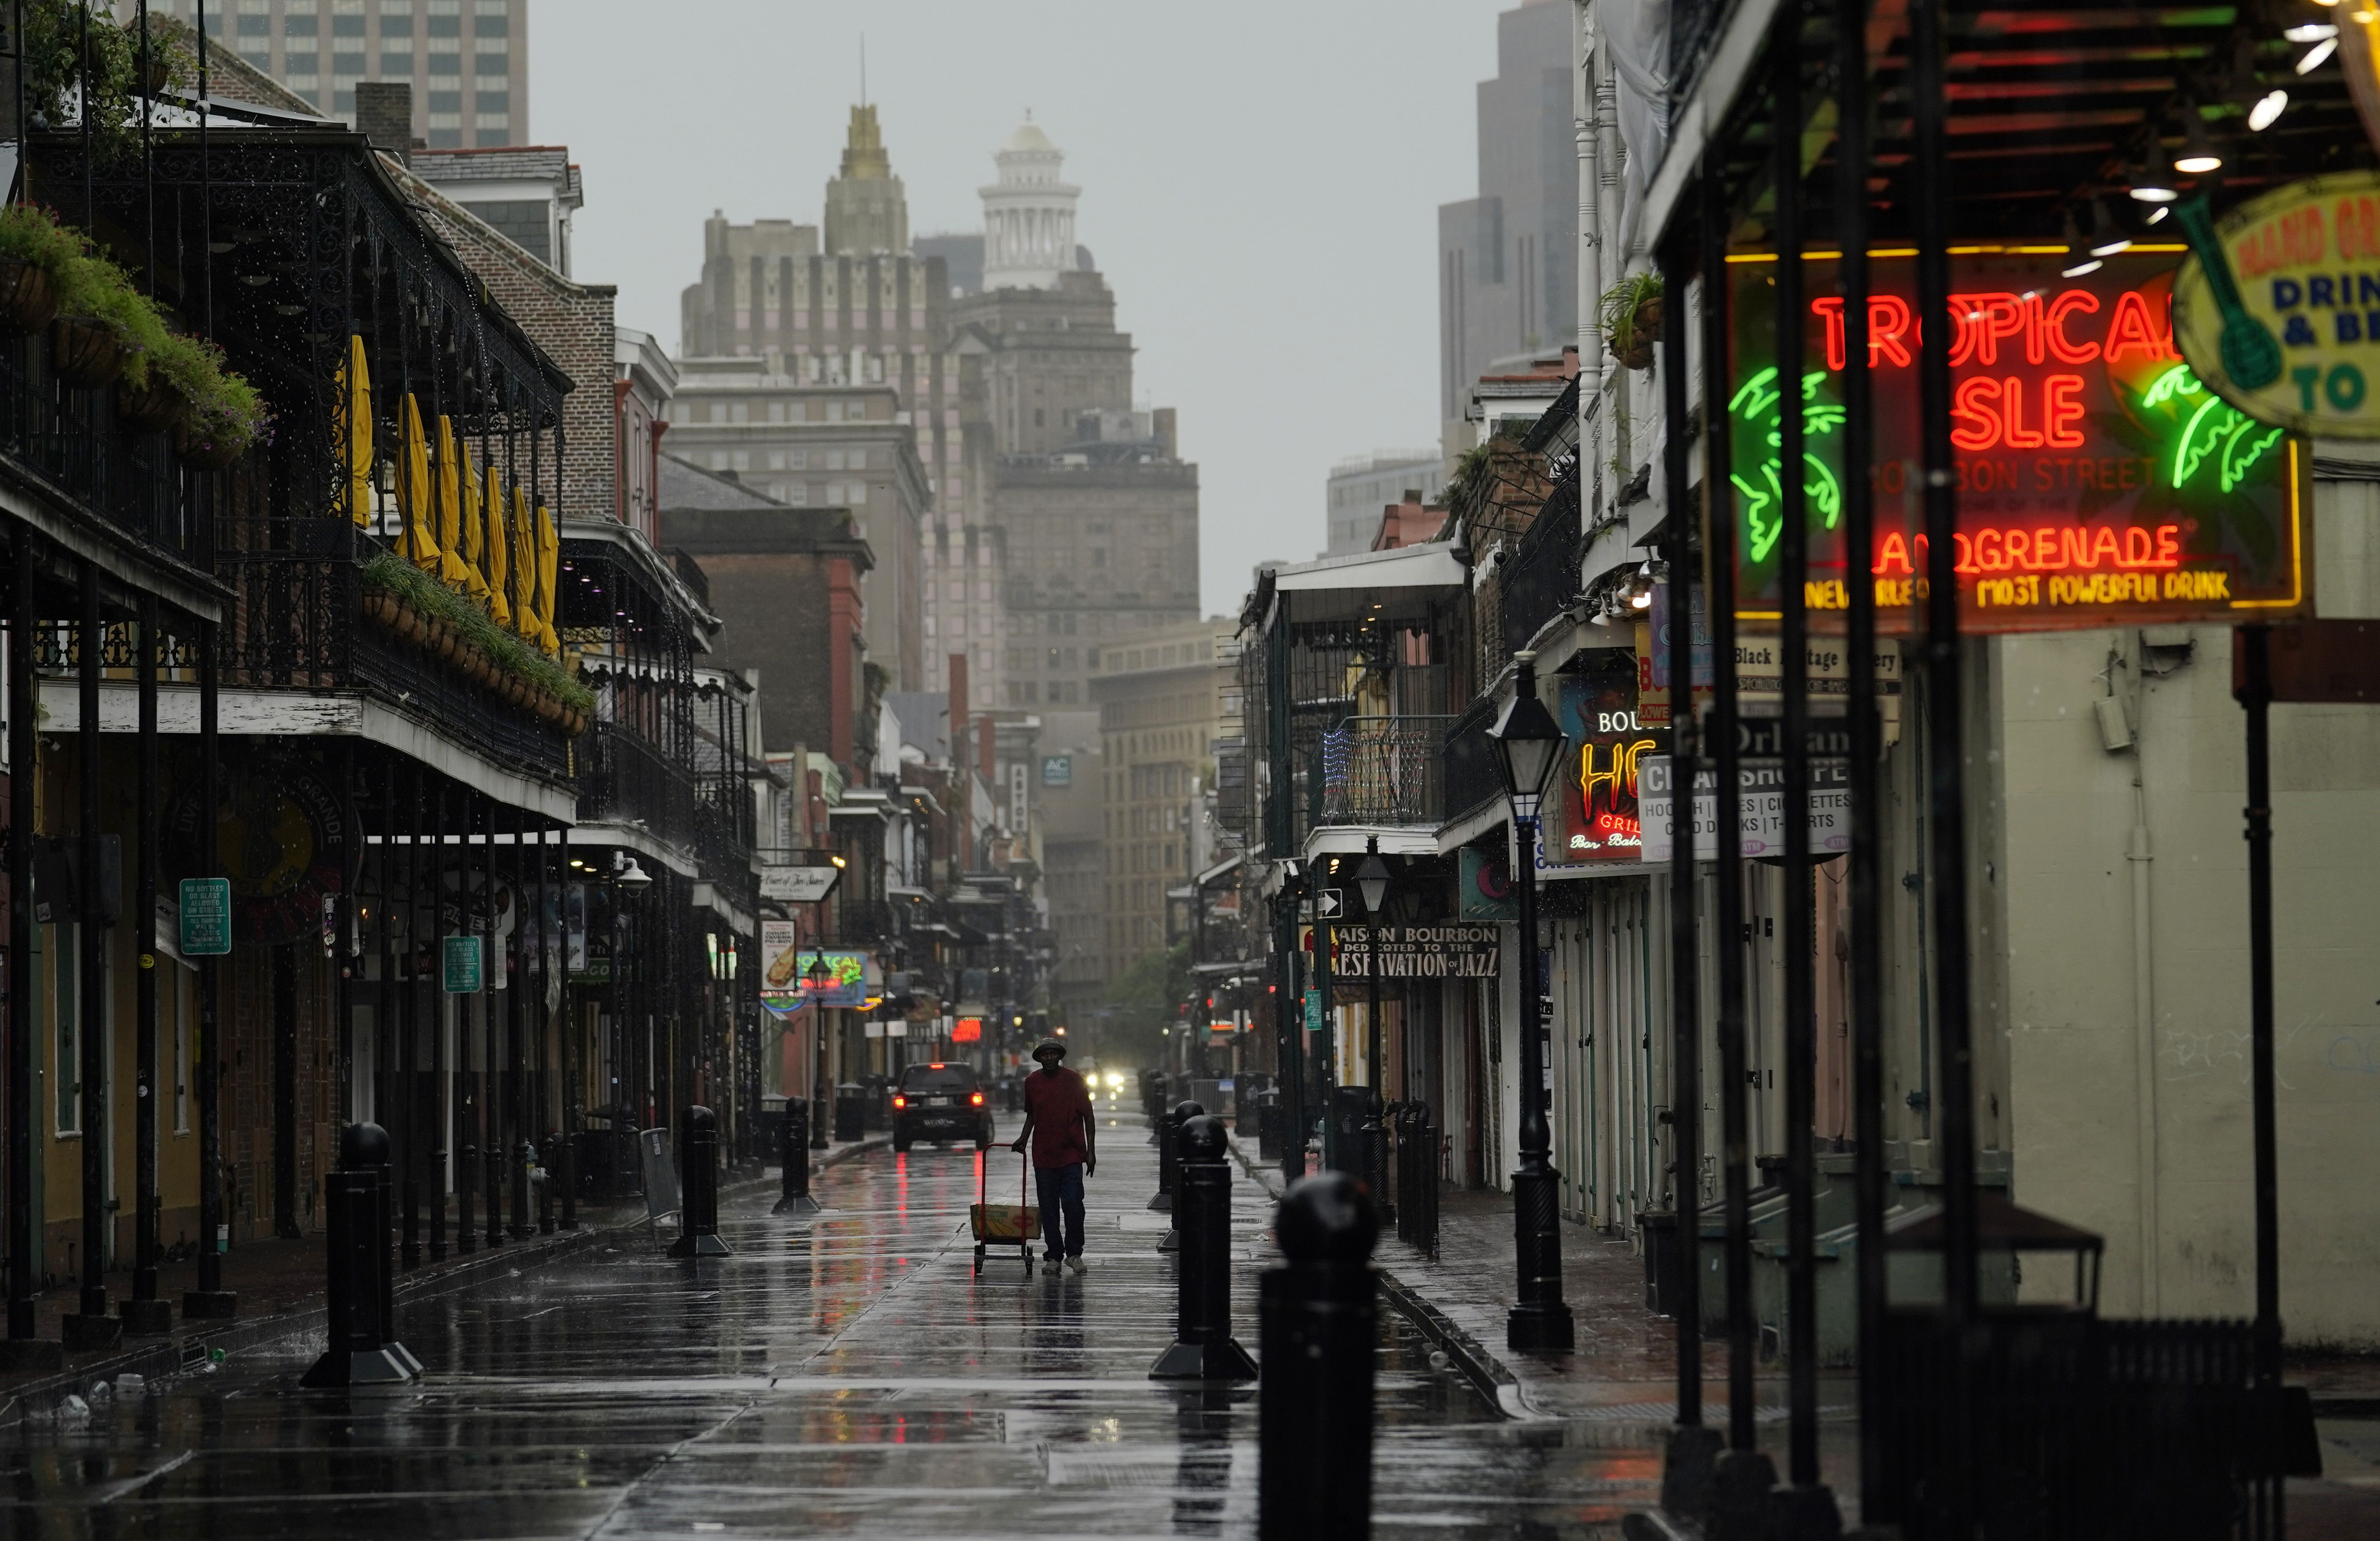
pixel 206 917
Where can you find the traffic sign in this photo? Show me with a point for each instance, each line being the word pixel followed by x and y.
pixel 1329 904
pixel 1313 1011
pixel 206 917
pixel 462 972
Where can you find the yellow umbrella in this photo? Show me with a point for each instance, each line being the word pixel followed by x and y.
pixel 475 581
pixel 524 567
pixel 450 511
pixel 549 562
pixel 415 496
pixel 353 418
pixel 498 553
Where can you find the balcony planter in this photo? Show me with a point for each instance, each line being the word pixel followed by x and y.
pixel 1631 313
pixel 150 408
pixel 199 452
pixel 84 351
pixel 29 298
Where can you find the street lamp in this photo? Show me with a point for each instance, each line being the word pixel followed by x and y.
pixel 817 974
pixel 1528 744
pixel 1372 882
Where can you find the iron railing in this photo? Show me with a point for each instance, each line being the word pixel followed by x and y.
pixel 70 443
pixel 1471 777
pixel 1542 576
pixel 623 780
pixel 1384 770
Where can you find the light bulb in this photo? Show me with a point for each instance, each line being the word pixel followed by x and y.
pixel 2269 107
pixel 2317 56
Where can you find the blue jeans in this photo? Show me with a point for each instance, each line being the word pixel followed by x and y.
pixel 1060 1190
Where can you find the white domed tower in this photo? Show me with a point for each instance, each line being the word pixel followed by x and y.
pixel 1028 216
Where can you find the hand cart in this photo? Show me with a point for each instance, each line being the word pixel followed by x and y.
pixel 1003 1225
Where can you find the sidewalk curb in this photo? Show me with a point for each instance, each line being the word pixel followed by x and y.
pixel 1487 1374
pixel 156 1360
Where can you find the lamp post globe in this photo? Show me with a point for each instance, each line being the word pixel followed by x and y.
pixel 1528 745
pixel 817 975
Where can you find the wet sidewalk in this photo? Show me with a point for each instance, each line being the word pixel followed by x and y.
pixel 845 1373
pixel 279 1286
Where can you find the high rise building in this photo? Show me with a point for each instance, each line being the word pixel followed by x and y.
pixel 1361 487
pixel 1507 257
pixel 1095 510
pixel 867 209
pixel 1164 702
pixel 466 60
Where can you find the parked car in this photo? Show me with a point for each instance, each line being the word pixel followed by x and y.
pixel 940 1102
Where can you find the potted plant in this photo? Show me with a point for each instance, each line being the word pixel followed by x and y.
pixel 1631 313
pixel 223 417
pixel 105 327
pixel 35 250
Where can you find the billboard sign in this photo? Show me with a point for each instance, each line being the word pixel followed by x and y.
pixel 785 963
pixel 1594 820
pixel 2100 482
pixel 2278 308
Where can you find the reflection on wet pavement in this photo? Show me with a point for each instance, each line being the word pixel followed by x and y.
pixel 844 1376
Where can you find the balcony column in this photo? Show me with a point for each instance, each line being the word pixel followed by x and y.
pixel 91 1327
pixel 23 687
pixel 209 1300
pixel 406 1004
pixel 518 1117
pixel 491 1121
pixel 437 1129
pixel 144 1313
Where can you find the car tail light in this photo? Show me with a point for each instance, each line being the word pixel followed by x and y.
pixel 976 1099
pixel 900 1102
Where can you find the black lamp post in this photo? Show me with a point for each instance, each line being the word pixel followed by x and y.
pixel 818 973
pixel 1528 745
pixel 1372 882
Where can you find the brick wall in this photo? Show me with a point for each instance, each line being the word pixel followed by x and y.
pixel 572 321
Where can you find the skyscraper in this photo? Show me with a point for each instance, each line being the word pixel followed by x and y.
pixel 1507 257
pixel 466 60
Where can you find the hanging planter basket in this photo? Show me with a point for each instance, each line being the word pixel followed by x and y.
pixel 149 409
pixel 204 453
pixel 84 352
pixel 1631 313
pixel 29 298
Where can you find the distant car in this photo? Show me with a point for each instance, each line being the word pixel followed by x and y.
pixel 939 1102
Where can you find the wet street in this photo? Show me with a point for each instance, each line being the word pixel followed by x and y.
pixel 843 1375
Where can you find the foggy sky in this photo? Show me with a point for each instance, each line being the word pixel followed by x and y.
pixel 1260 181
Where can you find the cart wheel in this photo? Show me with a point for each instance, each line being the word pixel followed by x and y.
pixel 979 1260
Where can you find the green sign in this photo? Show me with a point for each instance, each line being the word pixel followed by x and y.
pixel 1313 1011
pixel 206 917
pixel 462 972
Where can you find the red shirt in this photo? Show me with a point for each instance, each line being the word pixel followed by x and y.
pixel 1057 1102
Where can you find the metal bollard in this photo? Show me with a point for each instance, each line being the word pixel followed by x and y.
pixel 1202 1346
pixel 698 1204
pixel 793 1151
pixel 1169 1165
pixel 1319 1327
pixel 1152 1093
pixel 466 1177
pixel 363 1349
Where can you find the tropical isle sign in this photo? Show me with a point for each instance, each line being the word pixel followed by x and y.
pixel 2101 480
pixel 2279 308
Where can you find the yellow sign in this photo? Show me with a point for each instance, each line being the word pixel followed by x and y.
pixel 2279 308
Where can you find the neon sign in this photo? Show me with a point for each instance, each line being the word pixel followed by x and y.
pixel 2099 481
pixel 1598 710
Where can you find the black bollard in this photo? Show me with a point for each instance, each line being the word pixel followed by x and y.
pixel 466 1177
pixel 1169 1166
pixel 1153 1093
pixel 698 1204
pixel 1317 1329
pixel 793 1151
pixel 1203 1347
pixel 363 1349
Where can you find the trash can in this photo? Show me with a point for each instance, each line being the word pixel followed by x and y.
pixel 850 1112
pixel 1268 1116
pixel 876 1104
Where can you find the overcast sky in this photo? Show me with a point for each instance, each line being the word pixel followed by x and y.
pixel 1260 184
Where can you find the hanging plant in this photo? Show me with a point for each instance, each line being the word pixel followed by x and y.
pixel 56 55
pixel 481 651
pixel 35 253
pixel 222 416
pixel 1631 311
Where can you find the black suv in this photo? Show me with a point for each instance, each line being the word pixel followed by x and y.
pixel 940 1102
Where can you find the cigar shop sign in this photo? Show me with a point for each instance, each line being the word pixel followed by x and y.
pixel 1447 950
pixel 2277 309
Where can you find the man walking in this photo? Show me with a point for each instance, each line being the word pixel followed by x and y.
pixel 1058 1122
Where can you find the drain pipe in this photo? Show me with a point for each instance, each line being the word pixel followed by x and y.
pixel 2144 1052
pixel 1583 73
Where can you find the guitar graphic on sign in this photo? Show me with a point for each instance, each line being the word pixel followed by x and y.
pixel 2250 356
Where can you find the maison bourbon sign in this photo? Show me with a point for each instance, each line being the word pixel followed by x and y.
pixel 1455 949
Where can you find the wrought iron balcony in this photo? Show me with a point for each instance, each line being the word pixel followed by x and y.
pixel 1383 770
pixel 1472 779
pixel 623 780
pixel 72 445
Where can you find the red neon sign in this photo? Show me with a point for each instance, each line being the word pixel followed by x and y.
pixel 2097 481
